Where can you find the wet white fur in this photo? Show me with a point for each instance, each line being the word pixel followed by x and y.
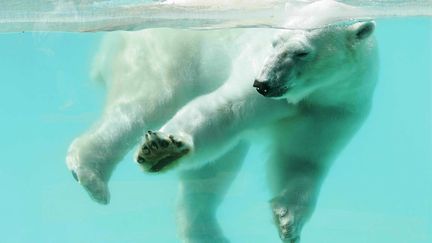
pixel 198 87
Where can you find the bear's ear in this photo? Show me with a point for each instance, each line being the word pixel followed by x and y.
pixel 362 30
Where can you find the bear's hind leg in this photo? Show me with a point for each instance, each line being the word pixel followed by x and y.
pixel 93 156
pixel 294 201
pixel 303 151
pixel 201 192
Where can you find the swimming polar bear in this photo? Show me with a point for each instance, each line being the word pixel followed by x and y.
pixel 192 92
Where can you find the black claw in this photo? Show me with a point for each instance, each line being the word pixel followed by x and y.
pixel 295 240
pixel 163 143
pixel 175 141
pixel 154 145
pixel 145 150
pixel 148 135
pixel 75 176
pixel 178 144
pixel 140 160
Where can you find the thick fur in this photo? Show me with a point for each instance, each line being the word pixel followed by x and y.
pixel 197 88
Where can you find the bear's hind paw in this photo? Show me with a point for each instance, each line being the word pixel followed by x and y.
pixel 93 184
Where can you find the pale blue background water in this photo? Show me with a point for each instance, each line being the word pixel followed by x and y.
pixel 379 190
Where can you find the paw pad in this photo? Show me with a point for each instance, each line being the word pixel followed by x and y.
pixel 159 151
pixel 286 222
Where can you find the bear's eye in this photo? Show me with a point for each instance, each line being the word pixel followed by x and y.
pixel 301 54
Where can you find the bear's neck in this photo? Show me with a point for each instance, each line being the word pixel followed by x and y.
pixel 351 94
pixel 352 89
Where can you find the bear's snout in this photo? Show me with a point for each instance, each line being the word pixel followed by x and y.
pixel 261 87
pixel 266 89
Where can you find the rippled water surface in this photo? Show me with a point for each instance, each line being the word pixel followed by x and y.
pixel 108 15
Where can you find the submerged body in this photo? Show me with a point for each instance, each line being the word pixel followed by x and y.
pixel 314 90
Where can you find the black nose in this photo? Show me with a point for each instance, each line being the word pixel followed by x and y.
pixel 261 87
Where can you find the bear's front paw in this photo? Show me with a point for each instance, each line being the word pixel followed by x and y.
pixel 160 151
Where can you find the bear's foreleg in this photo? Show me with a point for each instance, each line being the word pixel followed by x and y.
pixel 208 126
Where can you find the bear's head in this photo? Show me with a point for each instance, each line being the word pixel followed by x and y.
pixel 303 61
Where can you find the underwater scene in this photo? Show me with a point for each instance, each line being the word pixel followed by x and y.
pixel 202 121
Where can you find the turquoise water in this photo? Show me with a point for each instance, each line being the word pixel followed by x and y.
pixel 378 191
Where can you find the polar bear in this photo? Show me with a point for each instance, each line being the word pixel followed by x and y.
pixel 198 99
